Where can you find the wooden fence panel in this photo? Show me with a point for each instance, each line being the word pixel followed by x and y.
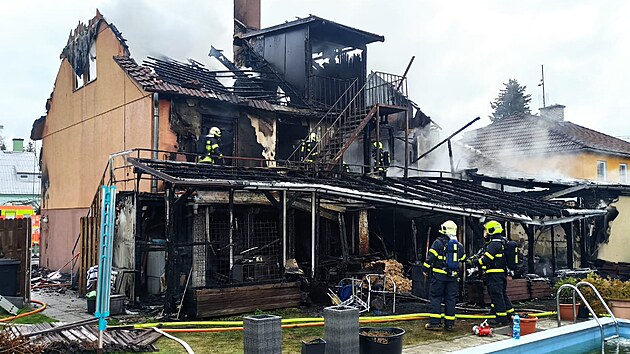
pixel 89 241
pixel 15 243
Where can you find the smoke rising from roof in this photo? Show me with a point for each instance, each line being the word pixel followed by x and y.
pixel 161 29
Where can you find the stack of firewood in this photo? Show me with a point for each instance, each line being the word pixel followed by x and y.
pixel 394 271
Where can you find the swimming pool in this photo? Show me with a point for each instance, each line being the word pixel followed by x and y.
pixel 584 337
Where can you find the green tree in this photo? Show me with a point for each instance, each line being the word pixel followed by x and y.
pixel 512 100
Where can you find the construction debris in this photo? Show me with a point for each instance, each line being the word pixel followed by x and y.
pixel 77 338
pixel 394 271
pixel 10 343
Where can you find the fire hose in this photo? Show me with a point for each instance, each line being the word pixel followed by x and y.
pixel 292 322
pixel 42 308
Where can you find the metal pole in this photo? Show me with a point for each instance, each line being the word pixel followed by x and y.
pixel 313 213
pixel 231 228
pixel 542 83
pixel 448 138
pixel 553 250
pixel 407 140
pixel 402 79
pixel 284 227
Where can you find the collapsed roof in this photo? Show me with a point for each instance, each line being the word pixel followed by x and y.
pixel 449 196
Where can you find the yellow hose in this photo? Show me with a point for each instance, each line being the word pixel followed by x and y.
pixel 42 308
pixel 300 322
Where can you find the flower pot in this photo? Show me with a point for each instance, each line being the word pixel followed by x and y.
pixel 528 325
pixel 381 340
pixel 620 308
pixel 566 311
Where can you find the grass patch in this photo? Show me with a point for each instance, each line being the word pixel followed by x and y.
pixel 232 342
pixel 32 319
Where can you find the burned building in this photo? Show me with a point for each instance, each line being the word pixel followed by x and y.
pixel 264 215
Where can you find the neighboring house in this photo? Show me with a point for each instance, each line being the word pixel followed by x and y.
pixel 549 146
pixel 19 177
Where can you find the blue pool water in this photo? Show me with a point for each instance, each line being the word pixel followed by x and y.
pixel 581 338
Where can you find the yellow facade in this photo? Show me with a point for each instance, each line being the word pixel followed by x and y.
pixel 86 125
pixel 581 165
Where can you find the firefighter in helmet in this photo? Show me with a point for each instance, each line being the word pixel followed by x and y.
pixel 211 150
pixel 307 148
pixel 381 158
pixel 442 265
pixel 492 262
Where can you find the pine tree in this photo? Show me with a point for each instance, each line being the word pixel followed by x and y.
pixel 512 100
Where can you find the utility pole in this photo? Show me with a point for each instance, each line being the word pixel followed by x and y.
pixel 542 83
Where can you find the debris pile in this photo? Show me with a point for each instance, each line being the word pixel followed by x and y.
pixel 394 271
pixel 80 337
pixel 10 343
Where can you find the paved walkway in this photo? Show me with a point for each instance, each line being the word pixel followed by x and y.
pixel 67 307
pixel 471 340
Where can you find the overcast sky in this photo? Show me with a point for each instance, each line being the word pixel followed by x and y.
pixel 465 50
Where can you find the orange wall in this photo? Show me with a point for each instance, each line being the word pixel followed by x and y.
pixel 83 127
pixel 581 165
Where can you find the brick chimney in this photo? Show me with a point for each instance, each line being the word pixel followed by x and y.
pixel 553 112
pixel 246 17
pixel 247 12
pixel 18 144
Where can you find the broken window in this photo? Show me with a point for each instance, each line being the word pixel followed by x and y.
pixel 78 81
pixel 91 75
pixel 623 173
pixel 89 71
pixel 601 170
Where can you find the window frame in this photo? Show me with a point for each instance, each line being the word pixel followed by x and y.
pixel 623 178
pixel 602 177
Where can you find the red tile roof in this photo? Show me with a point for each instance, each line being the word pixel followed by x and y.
pixel 535 135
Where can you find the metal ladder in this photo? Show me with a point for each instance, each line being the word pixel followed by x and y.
pixel 576 289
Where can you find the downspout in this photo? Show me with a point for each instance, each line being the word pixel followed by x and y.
pixel 156 130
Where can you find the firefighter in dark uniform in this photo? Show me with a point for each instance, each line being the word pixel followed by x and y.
pixel 307 148
pixel 492 262
pixel 380 163
pixel 211 151
pixel 443 271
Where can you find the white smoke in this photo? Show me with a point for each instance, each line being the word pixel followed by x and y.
pixel 178 30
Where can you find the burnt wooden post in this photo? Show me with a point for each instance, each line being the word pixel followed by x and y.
pixel 231 230
pixel 584 230
pixel 313 232
pixel 283 195
pixel 570 237
pixel 172 278
pixel 553 250
pixel 570 240
pixel 529 230
pixel 364 237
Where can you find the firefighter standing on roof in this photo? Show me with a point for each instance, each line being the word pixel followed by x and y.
pixel 381 160
pixel 442 264
pixel 211 151
pixel 493 263
pixel 307 148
